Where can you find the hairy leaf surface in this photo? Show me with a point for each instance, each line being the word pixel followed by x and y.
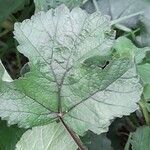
pixel 75 73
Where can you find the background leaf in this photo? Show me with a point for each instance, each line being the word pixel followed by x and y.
pixel 9 136
pixel 139 140
pixel 145 29
pixel 14 5
pixel 124 8
pixel 96 142
pixel 46 5
pixel 144 71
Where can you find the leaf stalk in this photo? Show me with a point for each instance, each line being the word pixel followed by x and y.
pixel 145 112
pixel 96 5
pixel 73 135
pixel 116 21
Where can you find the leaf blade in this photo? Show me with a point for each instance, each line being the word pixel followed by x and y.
pixel 70 63
pixel 49 137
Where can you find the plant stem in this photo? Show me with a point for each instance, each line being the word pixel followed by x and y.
pixel 96 5
pixel 18 60
pixel 126 17
pixel 73 135
pixel 145 112
pixel 18 57
pixel 132 33
pixel 127 146
pixel 85 1
pixel 123 28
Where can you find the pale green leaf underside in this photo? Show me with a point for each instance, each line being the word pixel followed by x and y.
pixel 48 137
pixel 144 71
pixel 139 140
pixel 67 52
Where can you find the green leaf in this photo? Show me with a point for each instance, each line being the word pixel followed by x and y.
pixel 9 136
pixel 125 44
pixel 68 77
pixel 46 5
pixel 139 140
pixel 48 137
pixel 9 6
pixel 146 92
pixel 96 142
pixel 20 107
pixel 144 71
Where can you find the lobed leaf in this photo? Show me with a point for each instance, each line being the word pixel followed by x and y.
pixel 75 73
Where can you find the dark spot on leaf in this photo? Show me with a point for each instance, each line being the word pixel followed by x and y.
pixel 104 66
